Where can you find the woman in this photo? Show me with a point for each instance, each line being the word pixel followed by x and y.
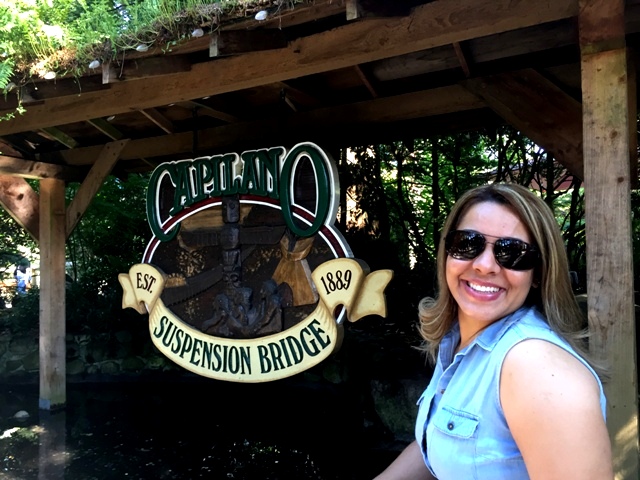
pixel 512 395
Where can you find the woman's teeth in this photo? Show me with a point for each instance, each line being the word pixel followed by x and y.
pixel 482 288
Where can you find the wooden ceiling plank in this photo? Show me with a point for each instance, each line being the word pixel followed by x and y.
pixel 109 73
pixel 21 202
pixel 59 136
pixel 155 66
pixel 462 58
pixel 235 42
pixel 105 127
pixel 208 111
pixel 542 111
pixel 434 24
pixel 388 109
pixel 288 101
pixel 299 96
pixel 377 8
pixel 160 120
pixel 35 92
pixel 19 167
pixel 366 82
pixel 17 146
pixel 484 49
pixel 309 11
pixel 104 163
pixel 352 10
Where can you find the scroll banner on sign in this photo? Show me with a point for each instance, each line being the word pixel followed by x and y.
pixel 343 281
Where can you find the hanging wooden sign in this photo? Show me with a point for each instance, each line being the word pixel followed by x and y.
pixel 246 278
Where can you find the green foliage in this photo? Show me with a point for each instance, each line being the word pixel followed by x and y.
pixel 398 195
pixel 23 316
pixel 64 36
pixel 402 193
pixel 45 38
pixel 109 239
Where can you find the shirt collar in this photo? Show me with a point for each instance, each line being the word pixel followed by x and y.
pixel 487 339
pixel 494 332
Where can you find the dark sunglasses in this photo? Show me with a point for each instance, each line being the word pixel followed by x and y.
pixel 510 253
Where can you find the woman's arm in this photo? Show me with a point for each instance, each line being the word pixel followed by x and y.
pixel 408 466
pixel 552 405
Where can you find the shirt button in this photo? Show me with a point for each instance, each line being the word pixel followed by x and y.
pixel 450 426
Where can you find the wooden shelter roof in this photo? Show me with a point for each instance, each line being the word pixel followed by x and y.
pixel 337 72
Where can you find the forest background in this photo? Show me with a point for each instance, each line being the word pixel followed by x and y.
pixel 393 203
pixel 394 197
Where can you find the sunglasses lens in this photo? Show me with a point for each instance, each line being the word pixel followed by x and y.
pixel 515 254
pixel 464 245
pixel 510 253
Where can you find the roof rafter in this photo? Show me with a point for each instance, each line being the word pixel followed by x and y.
pixel 388 109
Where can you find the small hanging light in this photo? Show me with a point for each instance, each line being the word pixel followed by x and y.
pixel 142 47
pixel 198 32
pixel 261 15
pixel 50 75
pixel 94 64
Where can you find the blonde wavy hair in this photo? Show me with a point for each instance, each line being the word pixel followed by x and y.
pixel 553 296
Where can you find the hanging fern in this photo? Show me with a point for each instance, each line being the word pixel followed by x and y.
pixel 6 71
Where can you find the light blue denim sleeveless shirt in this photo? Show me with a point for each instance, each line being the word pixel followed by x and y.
pixel 460 426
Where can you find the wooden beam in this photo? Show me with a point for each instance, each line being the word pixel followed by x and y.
pixel 281 19
pixel 38 170
pixel 57 135
pixel 378 8
pixel 462 58
pixel 430 25
pixel 352 10
pixel 102 167
pixel 53 391
pixel 365 81
pixel 153 66
pixel 18 145
pixel 35 92
pixel 160 120
pixel 109 73
pixel 235 42
pixel 632 92
pixel 610 289
pixel 299 96
pixel 105 127
pixel 21 202
pixel 288 101
pixel 208 111
pixel 537 38
pixel 388 109
pixel 309 11
pixel 538 108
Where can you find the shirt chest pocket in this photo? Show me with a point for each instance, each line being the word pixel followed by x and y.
pixel 456 423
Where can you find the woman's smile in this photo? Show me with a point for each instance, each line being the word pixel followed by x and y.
pixel 483 290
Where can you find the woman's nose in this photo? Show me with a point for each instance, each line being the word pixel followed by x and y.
pixel 486 261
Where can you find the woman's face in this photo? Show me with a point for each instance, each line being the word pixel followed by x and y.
pixel 485 291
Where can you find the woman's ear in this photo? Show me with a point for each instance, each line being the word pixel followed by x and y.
pixel 535 283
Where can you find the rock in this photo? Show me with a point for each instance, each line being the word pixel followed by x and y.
pixel 21 415
pixel 75 367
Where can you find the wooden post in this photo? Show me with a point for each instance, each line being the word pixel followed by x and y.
pixel 605 102
pixel 53 393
